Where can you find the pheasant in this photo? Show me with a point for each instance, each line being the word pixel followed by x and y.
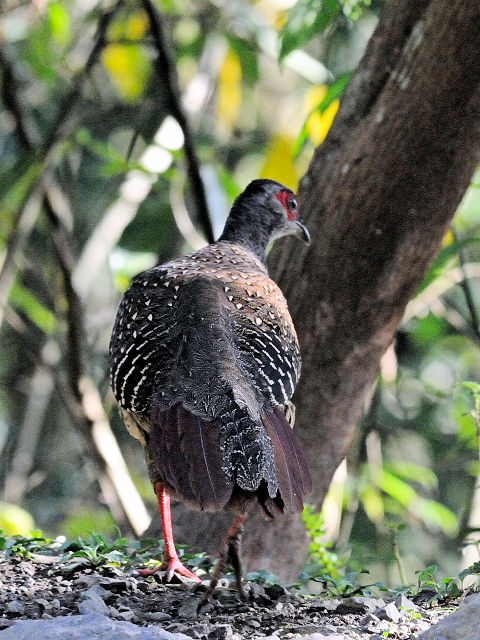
pixel 204 359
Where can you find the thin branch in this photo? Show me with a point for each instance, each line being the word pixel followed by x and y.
pixel 29 211
pixel 37 401
pixel 17 483
pixel 101 442
pixel 84 398
pixel 17 240
pixel 9 92
pixel 169 81
pixel 59 129
pixel 465 284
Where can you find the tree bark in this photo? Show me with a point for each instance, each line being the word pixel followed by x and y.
pixel 378 197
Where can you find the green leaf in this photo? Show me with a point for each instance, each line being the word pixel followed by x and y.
pixel 434 512
pixel 472 570
pixel 411 471
pixel 398 489
pixel 38 313
pixel 441 262
pixel 335 91
pixel 472 386
pixel 248 55
pixel 42 53
pixel 59 21
pixel 115 163
pixel 354 8
pixel 14 191
pixel 306 19
pixel 262 576
pixel 427 573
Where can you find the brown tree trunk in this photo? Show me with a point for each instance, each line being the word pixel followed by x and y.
pixel 378 197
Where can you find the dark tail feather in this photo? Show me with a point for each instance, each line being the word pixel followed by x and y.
pixel 187 453
pixel 291 466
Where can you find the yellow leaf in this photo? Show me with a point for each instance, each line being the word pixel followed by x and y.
pixel 135 26
pixel 319 124
pixel 373 503
pixel 448 238
pixel 314 97
pixel 229 94
pixel 128 67
pixel 132 27
pixel 279 161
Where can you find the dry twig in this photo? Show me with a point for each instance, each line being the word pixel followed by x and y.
pixel 169 81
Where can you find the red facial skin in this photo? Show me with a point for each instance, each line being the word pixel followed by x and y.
pixel 284 197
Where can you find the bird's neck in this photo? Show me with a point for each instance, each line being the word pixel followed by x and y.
pixel 254 239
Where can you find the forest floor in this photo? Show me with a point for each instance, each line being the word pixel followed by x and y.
pixel 44 589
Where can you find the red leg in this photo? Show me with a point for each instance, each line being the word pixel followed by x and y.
pixel 171 556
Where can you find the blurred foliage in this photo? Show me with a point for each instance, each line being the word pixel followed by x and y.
pixel 261 83
pixel 14 520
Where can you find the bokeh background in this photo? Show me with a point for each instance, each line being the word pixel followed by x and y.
pixel 95 187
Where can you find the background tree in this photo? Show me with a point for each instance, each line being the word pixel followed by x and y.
pixel 115 116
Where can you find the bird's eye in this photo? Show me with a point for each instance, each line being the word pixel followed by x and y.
pixel 293 204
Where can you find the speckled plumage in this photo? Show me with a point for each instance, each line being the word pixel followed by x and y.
pixel 204 356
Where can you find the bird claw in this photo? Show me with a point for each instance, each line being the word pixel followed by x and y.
pixel 174 566
pixel 149 572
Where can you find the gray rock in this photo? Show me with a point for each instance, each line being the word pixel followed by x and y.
pixel 97 590
pixel 156 616
pixel 369 620
pixel 258 593
pixel 389 612
pixel 360 604
pixel 189 608
pixel 463 623
pixel 124 615
pixel 15 606
pixel 44 603
pixel 221 632
pixel 275 591
pixel 225 596
pixel 89 580
pixel 330 604
pixel 404 605
pixel 253 623
pixel 83 627
pixel 92 602
pixel 315 632
pixel 327 635
pixel 119 585
pixel 255 589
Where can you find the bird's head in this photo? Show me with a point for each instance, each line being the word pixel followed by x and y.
pixel 264 212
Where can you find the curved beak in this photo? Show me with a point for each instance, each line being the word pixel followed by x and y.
pixel 302 231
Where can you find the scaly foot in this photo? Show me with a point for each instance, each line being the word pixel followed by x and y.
pixel 174 566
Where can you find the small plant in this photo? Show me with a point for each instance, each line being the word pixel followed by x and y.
pixel 97 551
pixel 262 577
pixel 3 540
pixel 25 547
pixel 394 529
pixel 347 586
pixel 446 588
pixel 321 556
pixel 412 613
